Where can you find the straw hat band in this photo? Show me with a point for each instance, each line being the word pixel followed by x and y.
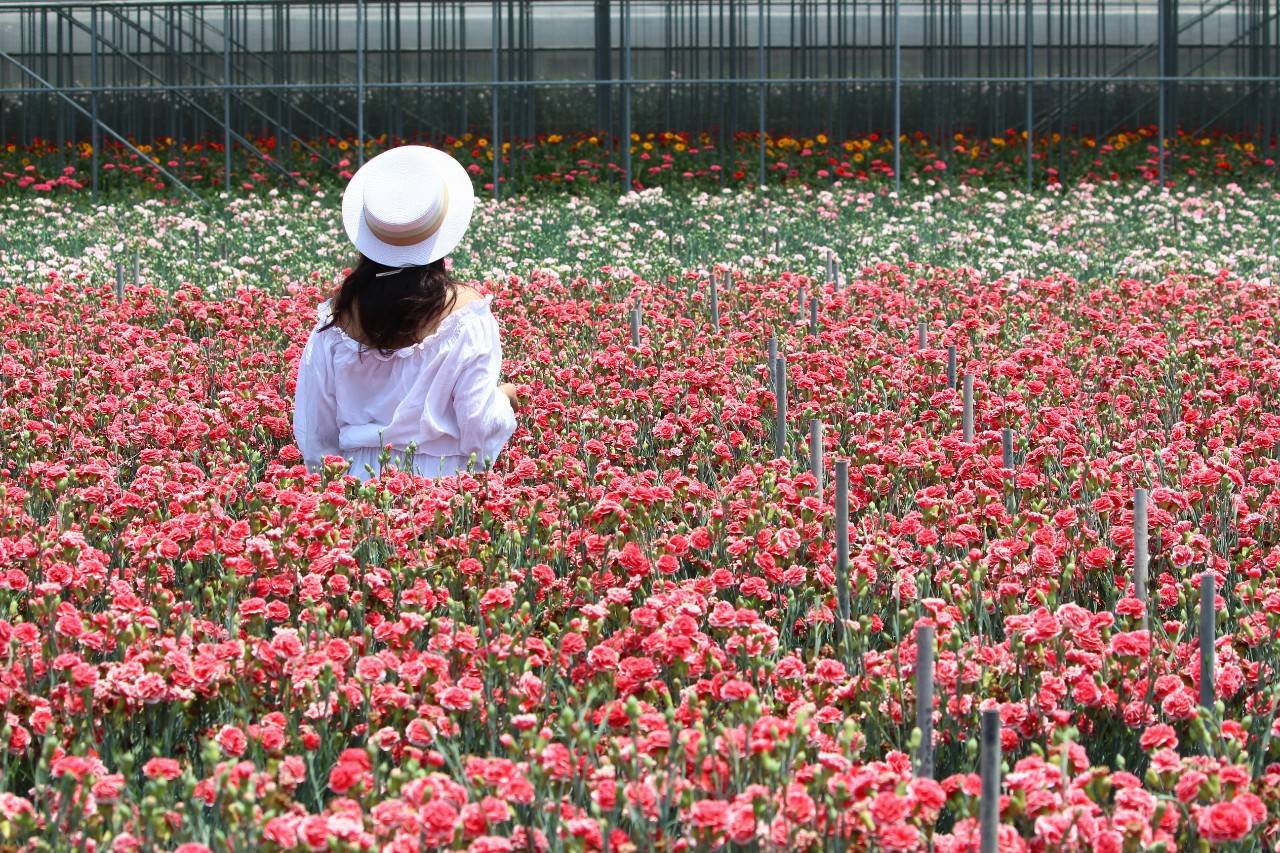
pixel 398 237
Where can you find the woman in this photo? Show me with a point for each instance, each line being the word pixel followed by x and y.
pixel 402 354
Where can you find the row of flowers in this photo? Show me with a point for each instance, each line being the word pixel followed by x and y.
pixel 581 161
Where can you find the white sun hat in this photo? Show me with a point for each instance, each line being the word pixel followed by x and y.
pixel 408 206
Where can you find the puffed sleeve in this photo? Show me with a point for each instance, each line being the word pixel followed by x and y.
pixel 315 412
pixel 485 417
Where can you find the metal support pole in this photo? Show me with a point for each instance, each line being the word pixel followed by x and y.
pixel 1029 66
pixel 360 24
pixel 922 335
pixel 1006 448
pixel 1162 31
pixel 1140 556
pixel 635 327
pixel 495 147
pixel 95 133
pixel 1208 631
pixel 967 415
pixel 715 300
pixel 764 90
pixel 226 98
pixel 815 453
pixel 924 700
pixel 989 803
pixel 897 97
pixel 626 104
pixel 603 69
pixel 842 545
pixel 951 367
pixel 780 396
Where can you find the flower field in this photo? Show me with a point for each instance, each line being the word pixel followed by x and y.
pixel 581 162
pixel 629 634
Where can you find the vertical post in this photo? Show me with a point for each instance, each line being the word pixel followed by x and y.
pixel 924 700
pixel 119 282
pixel 603 66
pixel 813 316
pixel 1161 91
pixel 1029 70
pixel 1140 555
pixel 226 97
pixel 626 102
pixel 359 83
pixel 764 90
pixel 922 335
pixel 773 356
pixel 1006 448
pixel 989 804
pixel 495 145
pixel 95 133
pixel 835 274
pixel 897 97
pixel 842 545
pixel 1168 37
pixel 967 417
pixel 715 300
pixel 780 395
pixel 951 367
pixel 1208 630
pixel 635 327
pixel 815 453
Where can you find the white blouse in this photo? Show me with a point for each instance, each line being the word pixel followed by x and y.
pixel 441 393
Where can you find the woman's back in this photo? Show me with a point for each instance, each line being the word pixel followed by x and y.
pixel 441 393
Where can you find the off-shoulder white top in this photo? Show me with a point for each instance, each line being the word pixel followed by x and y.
pixel 441 393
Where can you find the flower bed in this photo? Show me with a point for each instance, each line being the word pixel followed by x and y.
pixel 625 635
pixel 581 162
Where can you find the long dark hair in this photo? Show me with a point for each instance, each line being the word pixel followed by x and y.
pixel 394 308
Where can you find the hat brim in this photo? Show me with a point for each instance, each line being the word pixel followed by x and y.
pixel 443 241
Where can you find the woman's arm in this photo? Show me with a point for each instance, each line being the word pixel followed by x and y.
pixel 315 411
pixel 485 410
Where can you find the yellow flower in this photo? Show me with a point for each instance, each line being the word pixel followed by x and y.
pixel 679 146
pixel 1248 146
pixel 648 146
pixel 554 138
pixel 593 140
pixel 848 145
pixel 482 143
pixel 959 137
pixel 342 145
pixel 858 158
pixel 635 137
pixel 821 138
